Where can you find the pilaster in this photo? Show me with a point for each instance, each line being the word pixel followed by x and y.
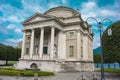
pixel 78 45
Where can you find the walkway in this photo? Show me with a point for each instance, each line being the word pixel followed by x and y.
pixel 65 76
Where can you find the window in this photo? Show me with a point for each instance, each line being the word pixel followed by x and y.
pixel 27 51
pixel 71 51
pixel 28 38
pixel 71 34
pixel 81 51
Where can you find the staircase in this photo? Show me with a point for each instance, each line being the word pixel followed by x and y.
pixel 68 67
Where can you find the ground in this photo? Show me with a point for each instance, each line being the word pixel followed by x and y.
pixel 66 76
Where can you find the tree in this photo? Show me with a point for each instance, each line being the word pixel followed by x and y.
pixel 111 44
pixel 97 58
pixel 9 53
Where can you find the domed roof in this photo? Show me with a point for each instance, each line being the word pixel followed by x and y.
pixel 61 11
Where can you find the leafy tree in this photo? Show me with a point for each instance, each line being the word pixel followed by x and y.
pixel 9 53
pixel 97 58
pixel 111 44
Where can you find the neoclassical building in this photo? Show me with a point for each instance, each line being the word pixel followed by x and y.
pixel 57 40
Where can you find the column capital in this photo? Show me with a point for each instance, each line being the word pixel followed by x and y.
pixel 32 29
pixel 42 28
pixel 52 26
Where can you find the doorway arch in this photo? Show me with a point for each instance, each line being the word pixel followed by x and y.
pixel 33 66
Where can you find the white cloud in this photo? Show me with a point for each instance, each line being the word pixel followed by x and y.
pixel 89 4
pixel 64 1
pixel 89 9
pixel 4 31
pixel 13 18
pixel 10 26
pixel 13 40
pixel 96 41
pixel 108 13
pixel 22 1
pixel 17 30
pixel 51 5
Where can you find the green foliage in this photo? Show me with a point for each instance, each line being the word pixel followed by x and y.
pixel 9 53
pixel 97 58
pixel 111 44
pixel 13 72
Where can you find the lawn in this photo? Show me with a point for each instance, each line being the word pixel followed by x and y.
pixel 14 72
pixel 11 63
pixel 110 70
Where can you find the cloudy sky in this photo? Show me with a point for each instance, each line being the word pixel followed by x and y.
pixel 13 12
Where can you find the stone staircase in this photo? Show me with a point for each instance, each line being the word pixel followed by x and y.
pixel 68 67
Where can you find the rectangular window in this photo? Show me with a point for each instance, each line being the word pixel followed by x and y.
pixel 81 51
pixel 71 34
pixel 27 51
pixel 71 51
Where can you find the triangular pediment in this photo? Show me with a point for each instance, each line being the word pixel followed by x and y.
pixel 37 17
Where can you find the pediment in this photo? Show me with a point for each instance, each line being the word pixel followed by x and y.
pixel 37 17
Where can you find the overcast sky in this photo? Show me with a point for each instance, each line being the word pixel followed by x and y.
pixel 13 12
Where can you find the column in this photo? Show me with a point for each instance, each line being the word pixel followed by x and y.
pixel 41 43
pixel 23 45
pixel 78 45
pixel 52 43
pixel 32 43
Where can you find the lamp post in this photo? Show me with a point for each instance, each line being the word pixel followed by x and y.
pixel 100 28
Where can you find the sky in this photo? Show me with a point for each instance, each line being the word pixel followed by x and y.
pixel 13 12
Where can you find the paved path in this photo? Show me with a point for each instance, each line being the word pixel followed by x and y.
pixel 66 76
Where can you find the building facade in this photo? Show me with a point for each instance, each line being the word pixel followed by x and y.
pixel 57 40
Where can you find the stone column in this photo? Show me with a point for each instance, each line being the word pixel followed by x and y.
pixel 32 43
pixel 78 45
pixel 52 43
pixel 41 43
pixel 23 45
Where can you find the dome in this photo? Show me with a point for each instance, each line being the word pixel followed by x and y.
pixel 62 11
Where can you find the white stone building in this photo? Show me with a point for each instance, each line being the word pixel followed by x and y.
pixel 57 40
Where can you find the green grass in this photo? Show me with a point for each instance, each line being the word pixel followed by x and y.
pixel 14 72
pixel 109 70
pixel 11 63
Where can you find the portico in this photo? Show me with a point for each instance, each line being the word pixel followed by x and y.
pixel 42 43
